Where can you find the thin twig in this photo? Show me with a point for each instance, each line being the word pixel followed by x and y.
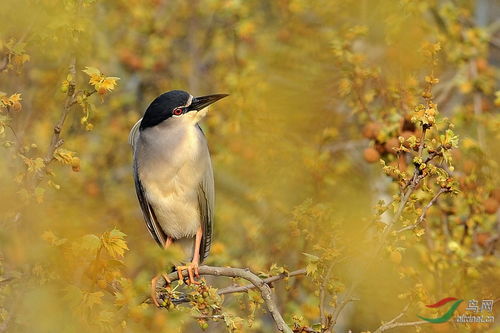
pixel 56 141
pixel 322 317
pixel 424 211
pixel 239 289
pixel 394 325
pixel 393 322
pixel 407 191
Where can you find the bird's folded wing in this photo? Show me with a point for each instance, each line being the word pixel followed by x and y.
pixel 206 199
pixel 149 216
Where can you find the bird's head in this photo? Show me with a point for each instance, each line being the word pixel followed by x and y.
pixel 177 107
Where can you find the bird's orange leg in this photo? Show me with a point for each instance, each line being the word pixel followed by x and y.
pixel 192 267
pixel 168 242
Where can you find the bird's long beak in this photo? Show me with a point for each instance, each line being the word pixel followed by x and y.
pixel 198 103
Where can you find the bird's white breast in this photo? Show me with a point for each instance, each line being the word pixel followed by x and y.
pixel 171 162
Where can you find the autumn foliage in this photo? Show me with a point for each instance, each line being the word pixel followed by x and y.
pixel 359 145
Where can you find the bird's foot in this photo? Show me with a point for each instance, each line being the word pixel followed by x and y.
pixel 154 294
pixel 192 269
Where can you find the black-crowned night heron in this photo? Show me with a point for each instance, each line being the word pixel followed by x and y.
pixel 173 176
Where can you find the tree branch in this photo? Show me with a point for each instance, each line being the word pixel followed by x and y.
pixel 406 192
pixel 393 323
pixel 424 211
pixel 269 280
pixel 256 281
pixel 56 141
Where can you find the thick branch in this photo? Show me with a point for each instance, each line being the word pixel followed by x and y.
pixel 257 282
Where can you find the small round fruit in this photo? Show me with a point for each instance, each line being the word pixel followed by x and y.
pixel 391 145
pixel 379 147
pixel 482 238
pixel 16 106
pixel 482 64
pixel 490 206
pixel 371 130
pixel 371 155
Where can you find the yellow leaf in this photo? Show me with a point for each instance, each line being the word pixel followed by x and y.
pixel 109 83
pixel 15 98
pixel 95 80
pixel 64 156
pixel 114 243
pixel 92 71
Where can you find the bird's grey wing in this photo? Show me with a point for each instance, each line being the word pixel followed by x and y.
pixel 149 216
pixel 206 200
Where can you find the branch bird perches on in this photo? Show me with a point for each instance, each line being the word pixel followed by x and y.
pixel 263 285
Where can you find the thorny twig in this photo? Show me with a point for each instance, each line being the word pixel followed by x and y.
pixel 424 211
pixel 56 141
pixel 324 319
pixel 393 323
pixel 269 280
pixel 406 192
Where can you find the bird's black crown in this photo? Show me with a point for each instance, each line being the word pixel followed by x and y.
pixel 162 106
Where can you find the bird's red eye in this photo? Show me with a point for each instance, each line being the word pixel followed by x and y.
pixel 177 111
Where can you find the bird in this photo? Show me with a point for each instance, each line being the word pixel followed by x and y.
pixel 173 177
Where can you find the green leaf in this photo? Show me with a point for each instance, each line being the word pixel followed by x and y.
pixel 90 242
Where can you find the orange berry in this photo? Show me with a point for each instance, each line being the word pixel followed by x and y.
pixel 490 206
pixel 482 64
pixel 391 145
pixel 371 130
pixel 371 155
pixel 482 238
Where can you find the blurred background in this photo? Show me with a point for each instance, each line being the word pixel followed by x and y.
pixel 317 91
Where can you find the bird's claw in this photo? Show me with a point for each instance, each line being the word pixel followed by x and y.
pixel 192 269
pixel 154 281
